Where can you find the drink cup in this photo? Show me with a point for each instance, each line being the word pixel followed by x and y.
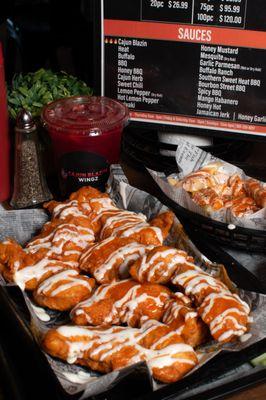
pixel 86 138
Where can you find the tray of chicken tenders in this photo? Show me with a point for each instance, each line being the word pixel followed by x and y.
pixel 216 198
pixel 113 286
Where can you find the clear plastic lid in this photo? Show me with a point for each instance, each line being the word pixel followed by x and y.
pixel 85 115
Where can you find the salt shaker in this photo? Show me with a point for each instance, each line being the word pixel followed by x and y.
pixel 30 186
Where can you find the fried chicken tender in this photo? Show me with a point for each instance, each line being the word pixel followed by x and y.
pixel 196 283
pixel 208 292
pixel 124 302
pixel 213 189
pixel 57 247
pixel 86 205
pixel 257 191
pixel 226 314
pixel 123 223
pixel 25 269
pixel 108 349
pixel 11 257
pixel 68 208
pixel 130 303
pixel 77 204
pixel 63 241
pixel 87 193
pixel 184 319
pixel 164 221
pixel 163 264
pixel 208 199
pixel 63 290
pixel 97 202
pixel 209 176
pixel 70 211
pixel 241 206
pixel 236 186
pixel 109 260
pixel 233 196
pixel 158 264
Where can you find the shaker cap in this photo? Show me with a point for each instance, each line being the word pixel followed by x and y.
pixel 25 121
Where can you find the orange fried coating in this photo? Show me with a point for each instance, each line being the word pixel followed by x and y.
pixel 58 246
pixel 164 264
pixel 241 206
pixel 63 290
pixel 226 321
pixel 158 264
pixel 181 317
pixel 164 221
pixel 257 191
pixel 122 223
pixel 87 193
pixel 25 269
pixel 108 349
pixel 109 260
pixel 12 257
pixel 86 205
pixel 77 204
pixel 235 186
pixel 68 208
pixel 63 241
pixel 208 199
pixel 197 283
pixel 122 302
pixel 226 314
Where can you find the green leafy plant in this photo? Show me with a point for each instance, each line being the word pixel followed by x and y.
pixel 34 90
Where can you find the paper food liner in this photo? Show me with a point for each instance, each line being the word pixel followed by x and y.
pixel 190 158
pixel 82 381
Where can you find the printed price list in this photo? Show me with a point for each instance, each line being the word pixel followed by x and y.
pixel 229 13
pixel 167 10
pixel 223 13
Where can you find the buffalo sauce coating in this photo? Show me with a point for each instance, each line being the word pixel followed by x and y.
pixel 127 302
pixel 101 259
pixel 62 248
pixel 225 313
pixel 107 344
pixel 63 281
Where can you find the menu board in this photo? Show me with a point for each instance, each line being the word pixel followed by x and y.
pixel 194 63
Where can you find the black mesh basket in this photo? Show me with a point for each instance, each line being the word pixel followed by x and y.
pixel 141 149
pixel 249 240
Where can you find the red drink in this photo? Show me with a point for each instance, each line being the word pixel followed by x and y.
pixel 4 139
pixel 86 137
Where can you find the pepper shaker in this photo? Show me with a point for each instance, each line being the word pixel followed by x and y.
pixel 30 186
